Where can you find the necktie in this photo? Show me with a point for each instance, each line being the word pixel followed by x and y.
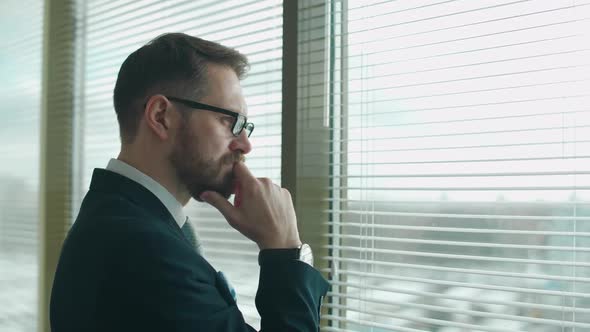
pixel 189 233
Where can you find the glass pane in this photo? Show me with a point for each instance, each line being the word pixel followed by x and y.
pixel 20 65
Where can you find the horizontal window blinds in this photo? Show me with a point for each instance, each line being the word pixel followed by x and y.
pixel 114 29
pixel 21 56
pixel 460 165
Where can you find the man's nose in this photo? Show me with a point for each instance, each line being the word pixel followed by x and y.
pixel 242 143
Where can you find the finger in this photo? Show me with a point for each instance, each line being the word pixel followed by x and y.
pixel 242 173
pixel 220 203
pixel 237 194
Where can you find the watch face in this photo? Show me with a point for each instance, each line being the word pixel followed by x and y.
pixel 305 254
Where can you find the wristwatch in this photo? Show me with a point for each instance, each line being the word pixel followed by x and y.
pixel 302 253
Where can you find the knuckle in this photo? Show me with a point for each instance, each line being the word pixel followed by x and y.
pixel 286 192
pixel 266 182
pixel 257 187
pixel 234 222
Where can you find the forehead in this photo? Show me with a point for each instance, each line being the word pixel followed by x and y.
pixel 224 89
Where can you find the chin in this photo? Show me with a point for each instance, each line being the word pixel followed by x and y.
pixel 224 191
pixel 223 185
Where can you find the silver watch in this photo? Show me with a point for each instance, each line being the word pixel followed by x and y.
pixel 305 254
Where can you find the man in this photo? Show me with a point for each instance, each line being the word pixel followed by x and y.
pixel 129 262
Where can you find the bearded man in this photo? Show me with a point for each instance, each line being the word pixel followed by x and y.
pixel 131 261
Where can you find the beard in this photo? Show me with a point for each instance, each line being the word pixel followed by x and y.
pixel 199 173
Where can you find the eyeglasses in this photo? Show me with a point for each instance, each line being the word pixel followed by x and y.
pixel 240 121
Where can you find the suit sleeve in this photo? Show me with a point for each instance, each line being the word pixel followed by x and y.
pixel 178 291
pixel 289 296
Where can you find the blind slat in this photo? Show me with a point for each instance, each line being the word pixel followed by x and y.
pixel 390 239
pixel 492 259
pixel 457 229
pixel 459 311
pixel 465 215
pixel 518 290
pixel 399 289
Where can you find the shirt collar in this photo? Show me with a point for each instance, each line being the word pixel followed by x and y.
pixel 169 201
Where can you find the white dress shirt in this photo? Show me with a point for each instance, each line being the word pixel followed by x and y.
pixel 169 201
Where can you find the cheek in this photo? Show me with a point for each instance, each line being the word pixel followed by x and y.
pixel 215 133
pixel 213 140
pixel 213 150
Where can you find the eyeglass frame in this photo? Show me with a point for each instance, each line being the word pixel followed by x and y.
pixel 237 116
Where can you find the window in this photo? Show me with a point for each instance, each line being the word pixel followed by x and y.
pixel 114 29
pixel 21 54
pixel 441 164
pixel 460 191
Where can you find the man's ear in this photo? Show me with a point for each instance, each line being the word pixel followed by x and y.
pixel 157 115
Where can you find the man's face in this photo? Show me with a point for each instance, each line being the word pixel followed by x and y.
pixel 205 150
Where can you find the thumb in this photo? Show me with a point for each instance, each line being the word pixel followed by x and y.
pixel 220 203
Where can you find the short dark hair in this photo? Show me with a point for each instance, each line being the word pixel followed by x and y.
pixel 172 63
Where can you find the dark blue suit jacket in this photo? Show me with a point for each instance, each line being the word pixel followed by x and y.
pixel 126 266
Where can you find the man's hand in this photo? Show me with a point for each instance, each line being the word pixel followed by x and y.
pixel 263 211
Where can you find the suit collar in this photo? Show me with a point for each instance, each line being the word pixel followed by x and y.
pixel 169 201
pixel 108 182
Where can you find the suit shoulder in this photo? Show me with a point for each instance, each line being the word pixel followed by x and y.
pixel 114 211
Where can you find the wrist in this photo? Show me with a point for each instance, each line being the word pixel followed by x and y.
pixel 280 245
pixel 279 255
